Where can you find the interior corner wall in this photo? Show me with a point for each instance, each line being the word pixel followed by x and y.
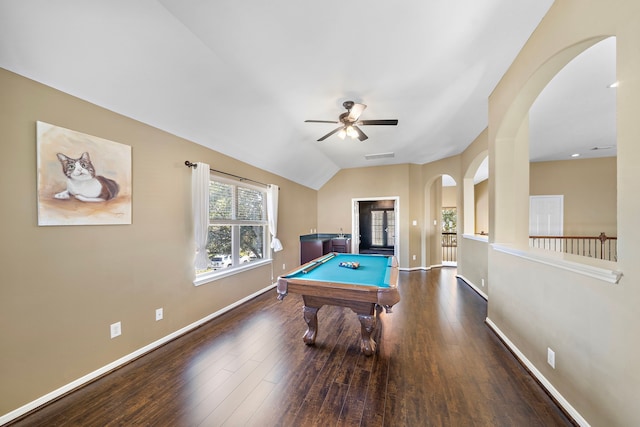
pixel 416 216
pixel 335 199
pixel 62 286
pixel 435 236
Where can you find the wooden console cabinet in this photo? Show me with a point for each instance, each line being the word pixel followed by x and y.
pixel 314 246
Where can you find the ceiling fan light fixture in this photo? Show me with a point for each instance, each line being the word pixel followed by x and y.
pixel 349 123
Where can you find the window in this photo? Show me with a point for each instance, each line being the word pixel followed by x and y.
pixel 237 234
pixel 382 227
pixel 449 220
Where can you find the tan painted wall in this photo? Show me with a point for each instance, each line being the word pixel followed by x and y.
pixel 470 161
pixel 416 216
pixel 473 267
pixel 335 199
pixel 450 196
pixel 431 187
pixel 589 189
pixel 62 286
pixel 481 191
pixel 591 324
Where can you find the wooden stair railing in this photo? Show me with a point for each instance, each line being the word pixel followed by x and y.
pixel 602 246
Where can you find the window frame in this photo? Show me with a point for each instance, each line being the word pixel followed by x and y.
pixel 237 267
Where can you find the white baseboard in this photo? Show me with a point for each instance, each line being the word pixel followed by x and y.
pixel 474 287
pixel 120 362
pixel 422 268
pixel 573 413
pixel 414 268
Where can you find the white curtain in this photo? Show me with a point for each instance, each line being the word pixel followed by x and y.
pixel 200 205
pixel 272 216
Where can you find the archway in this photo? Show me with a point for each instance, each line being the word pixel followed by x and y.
pixel 509 153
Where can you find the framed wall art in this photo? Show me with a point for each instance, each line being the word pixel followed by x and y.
pixel 82 179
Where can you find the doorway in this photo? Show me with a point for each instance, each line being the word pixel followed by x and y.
pixel 375 226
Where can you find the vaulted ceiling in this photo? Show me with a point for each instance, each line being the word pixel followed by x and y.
pixel 241 77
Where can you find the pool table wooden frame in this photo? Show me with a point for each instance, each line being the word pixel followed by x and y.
pixel 365 300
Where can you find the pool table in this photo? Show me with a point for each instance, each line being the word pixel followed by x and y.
pixel 365 290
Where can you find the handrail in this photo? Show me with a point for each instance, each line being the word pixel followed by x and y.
pixel 601 246
pixel 449 245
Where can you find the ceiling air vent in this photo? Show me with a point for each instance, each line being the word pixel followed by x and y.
pixel 379 156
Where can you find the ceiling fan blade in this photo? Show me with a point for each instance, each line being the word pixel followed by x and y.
pixel 320 121
pixel 330 133
pixel 361 135
pixel 391 122
pixel 355 111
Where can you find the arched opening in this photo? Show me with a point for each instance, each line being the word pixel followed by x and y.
pixel 509 153
pixel 441 220
pixel 448 221
pixel 572 152
pixel 476 197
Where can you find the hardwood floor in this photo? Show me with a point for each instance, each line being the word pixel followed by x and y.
pixel 437 364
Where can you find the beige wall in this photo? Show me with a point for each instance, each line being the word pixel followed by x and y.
pixel 431 192
pixel 449 196
pixel 335 199
pixel 481 191
pixel 473 264
pixel 540 302
pixel 62 286
pixel 472 250
pixel 589 189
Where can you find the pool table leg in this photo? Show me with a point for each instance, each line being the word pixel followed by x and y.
pixel 311 317
pixel 368 325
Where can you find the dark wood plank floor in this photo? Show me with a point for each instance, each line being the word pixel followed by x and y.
pixel 437 364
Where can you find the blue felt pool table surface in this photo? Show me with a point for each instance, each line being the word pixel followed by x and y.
pixel 374 270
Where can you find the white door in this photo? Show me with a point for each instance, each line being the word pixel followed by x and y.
pixel 546 215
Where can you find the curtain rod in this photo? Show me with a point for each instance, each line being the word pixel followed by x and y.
pixel 195 165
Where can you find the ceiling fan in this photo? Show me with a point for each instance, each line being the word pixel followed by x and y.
pixel 349 122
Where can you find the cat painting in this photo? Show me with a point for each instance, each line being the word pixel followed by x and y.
pixel 82 181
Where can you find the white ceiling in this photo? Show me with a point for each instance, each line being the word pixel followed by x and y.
pixel 576 112
pixel 241 77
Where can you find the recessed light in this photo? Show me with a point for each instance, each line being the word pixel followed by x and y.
pixel 575 155
pixel 613 85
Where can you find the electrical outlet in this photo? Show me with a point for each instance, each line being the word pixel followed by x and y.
pixel 483 283
pixel 551 358
pixel 159 314
pixel 414 257
pixel 116 329
pixel 283 266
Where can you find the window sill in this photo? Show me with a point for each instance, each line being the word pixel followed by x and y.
pixel 205 278
pixel 591 267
